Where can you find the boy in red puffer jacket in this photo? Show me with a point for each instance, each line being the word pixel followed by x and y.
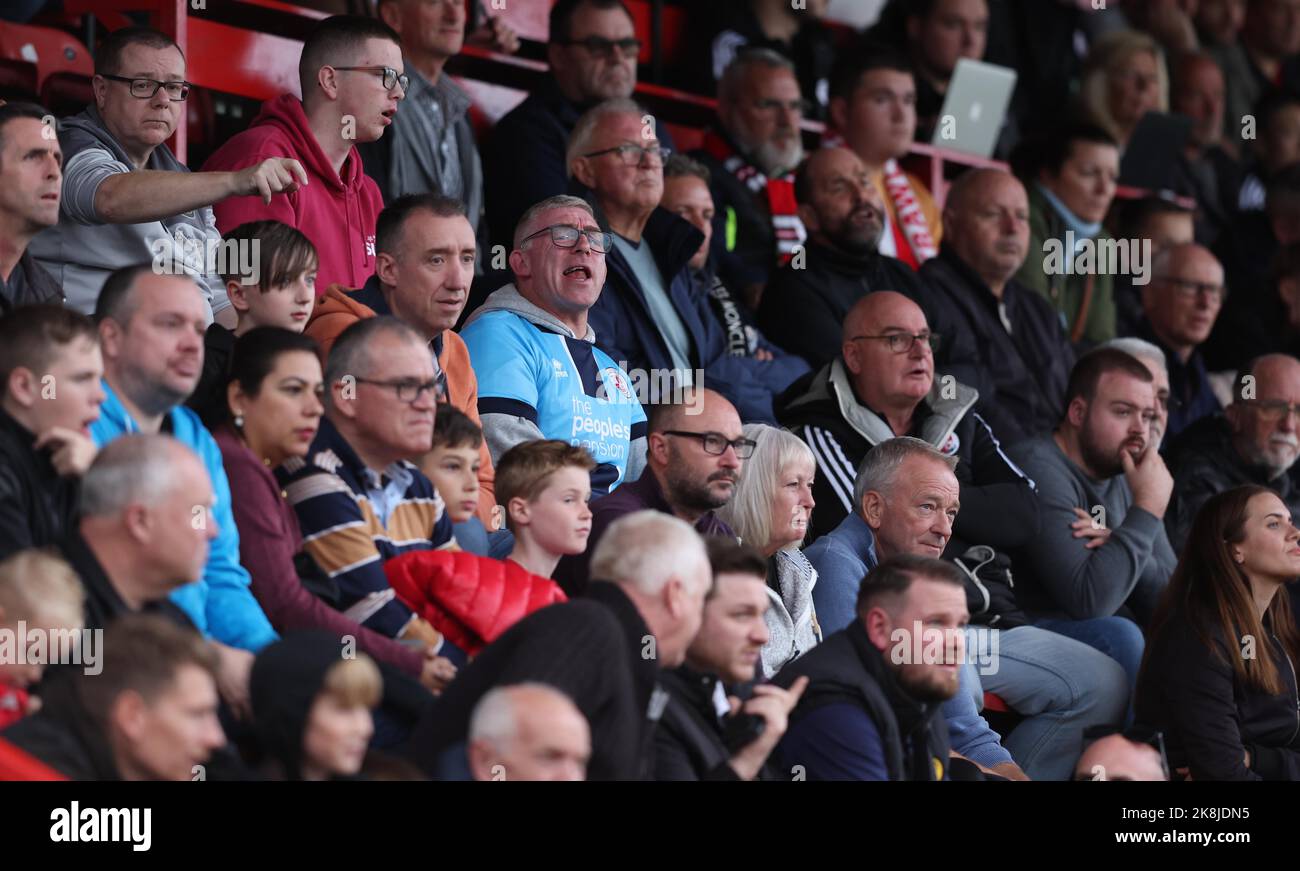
pixel 40 619
pixel 544 487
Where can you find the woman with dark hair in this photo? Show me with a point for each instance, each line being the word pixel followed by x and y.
pixel 274 404
pixel 1219 676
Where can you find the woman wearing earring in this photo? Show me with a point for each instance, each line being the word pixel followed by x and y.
pixel 1219 675
pixel 274 400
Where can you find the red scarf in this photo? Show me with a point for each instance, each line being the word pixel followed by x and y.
pixel 781 204
pixel 911 231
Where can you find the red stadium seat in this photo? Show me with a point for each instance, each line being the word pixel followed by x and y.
pixel 52 51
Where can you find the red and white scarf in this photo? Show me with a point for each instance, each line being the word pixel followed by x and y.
pixel 911 230
pixel 781 204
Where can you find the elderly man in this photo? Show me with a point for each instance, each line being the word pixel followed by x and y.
pixel 751 157
pixel 528 731
pixel 651 316
pixel 359 499
pixel 1180 305
pixel 1255 442
pixel 31 179
pixel 126 198
pixel 1022 346
pixel 592 52
pixel 539 372
pixel 151 337
pixel 695 453
pixel 604 650
pixel 906 496
pixel 883 385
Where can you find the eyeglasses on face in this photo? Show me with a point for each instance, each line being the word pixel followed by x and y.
pixel 144 89
pixel 632 155
pixel 716 443
pixel 409 389
pixel 901 343
pixel 1187 288
pixel 391 76
pixel 1272 411
pixel 605 48
pixel 566 236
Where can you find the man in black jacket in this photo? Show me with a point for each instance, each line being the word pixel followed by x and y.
pixel 872 710
pixel 50 370
pixel 875 391
pixel 604 650
pixel 704 734
pixel 31 179
pixel 1019 337
pixel 807 300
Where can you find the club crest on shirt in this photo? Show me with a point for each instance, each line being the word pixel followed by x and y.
pixel 950 445
pixel 617 381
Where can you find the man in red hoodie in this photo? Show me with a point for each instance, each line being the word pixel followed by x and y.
pixel 352 78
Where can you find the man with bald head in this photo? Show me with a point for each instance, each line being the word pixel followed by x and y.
pixel 1180 305
pixel 883 385
pixel 694 454
pixel 806 301
pixel 540 374
pixel 528 731
pixel 1256 441
pixel 1022 346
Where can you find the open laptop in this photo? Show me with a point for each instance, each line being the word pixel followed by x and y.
pixel 974 108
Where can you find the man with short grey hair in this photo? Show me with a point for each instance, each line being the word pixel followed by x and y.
pixel 643 608
pixel 528 731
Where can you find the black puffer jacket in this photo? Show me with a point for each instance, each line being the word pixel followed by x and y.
pixel 37 505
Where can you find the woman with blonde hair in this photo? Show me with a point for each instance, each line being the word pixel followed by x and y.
pixel 1124 78
pixel 770 511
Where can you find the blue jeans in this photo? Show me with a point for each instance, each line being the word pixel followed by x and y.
pixel 1117 637
pixel 1061 687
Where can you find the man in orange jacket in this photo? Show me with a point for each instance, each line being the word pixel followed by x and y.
pixel 423 268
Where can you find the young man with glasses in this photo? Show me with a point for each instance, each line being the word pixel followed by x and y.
pixel 352 77
pixel 592 54
pixel 125 196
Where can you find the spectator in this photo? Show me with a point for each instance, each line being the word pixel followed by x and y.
pixel 751 156
pixel 882 386
pixel 1162 222
pixel 359 499
pixel 939 34
pixel 40 595
pixel 1218 22
pixel 149 714
pixel 1119 757
pixel 528 732
pixel 695 739
pixel 1180 304
pixel 274 411
pixel 803 309
pixel 472 599
pixel 770 512
pixel 312 707
pixel 686 193
pixel 1124 78
pixel 592 52
pixel 1215 176
pixel 453 467
pixel 1017 334
pixel 1264 59
pixel 1228 715
pixel 278 290
pixel 351 77
pixel 31 179
pixel 1154 359
pixel 423 270
pixel 1101 557
pixel 907 500
pixel 1254 443
pixel 655 576
pixel 873 106
pixel 151 336
pixel 118 207
pixel 1070 190
pixel 540 374
pixel 1275 145
pixel 50 370
pixel 1167 21
pixel 695 451
pixel 866 715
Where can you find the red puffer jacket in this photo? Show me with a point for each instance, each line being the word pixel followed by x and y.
pixel 471 599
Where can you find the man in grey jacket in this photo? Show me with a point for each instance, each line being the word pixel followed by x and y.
pixel 1101 559
pixel 126 198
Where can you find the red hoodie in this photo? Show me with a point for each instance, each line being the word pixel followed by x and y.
pixel 337 214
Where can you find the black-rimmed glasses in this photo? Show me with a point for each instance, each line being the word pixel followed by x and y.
pixel 716 443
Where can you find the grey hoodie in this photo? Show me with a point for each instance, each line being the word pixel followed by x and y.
pixel 82 249
pixel 504 431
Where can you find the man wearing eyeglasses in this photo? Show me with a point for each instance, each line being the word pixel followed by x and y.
pixel 352 78
pixel 592 54
pixel 125 196
pixel 1180 304
pixel 540 373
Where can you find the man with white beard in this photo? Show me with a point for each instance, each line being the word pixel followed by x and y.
pixel 1254 442
pixel 751 157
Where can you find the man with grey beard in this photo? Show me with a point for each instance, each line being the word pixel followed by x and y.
pixel 751 156
pixel 1254 442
